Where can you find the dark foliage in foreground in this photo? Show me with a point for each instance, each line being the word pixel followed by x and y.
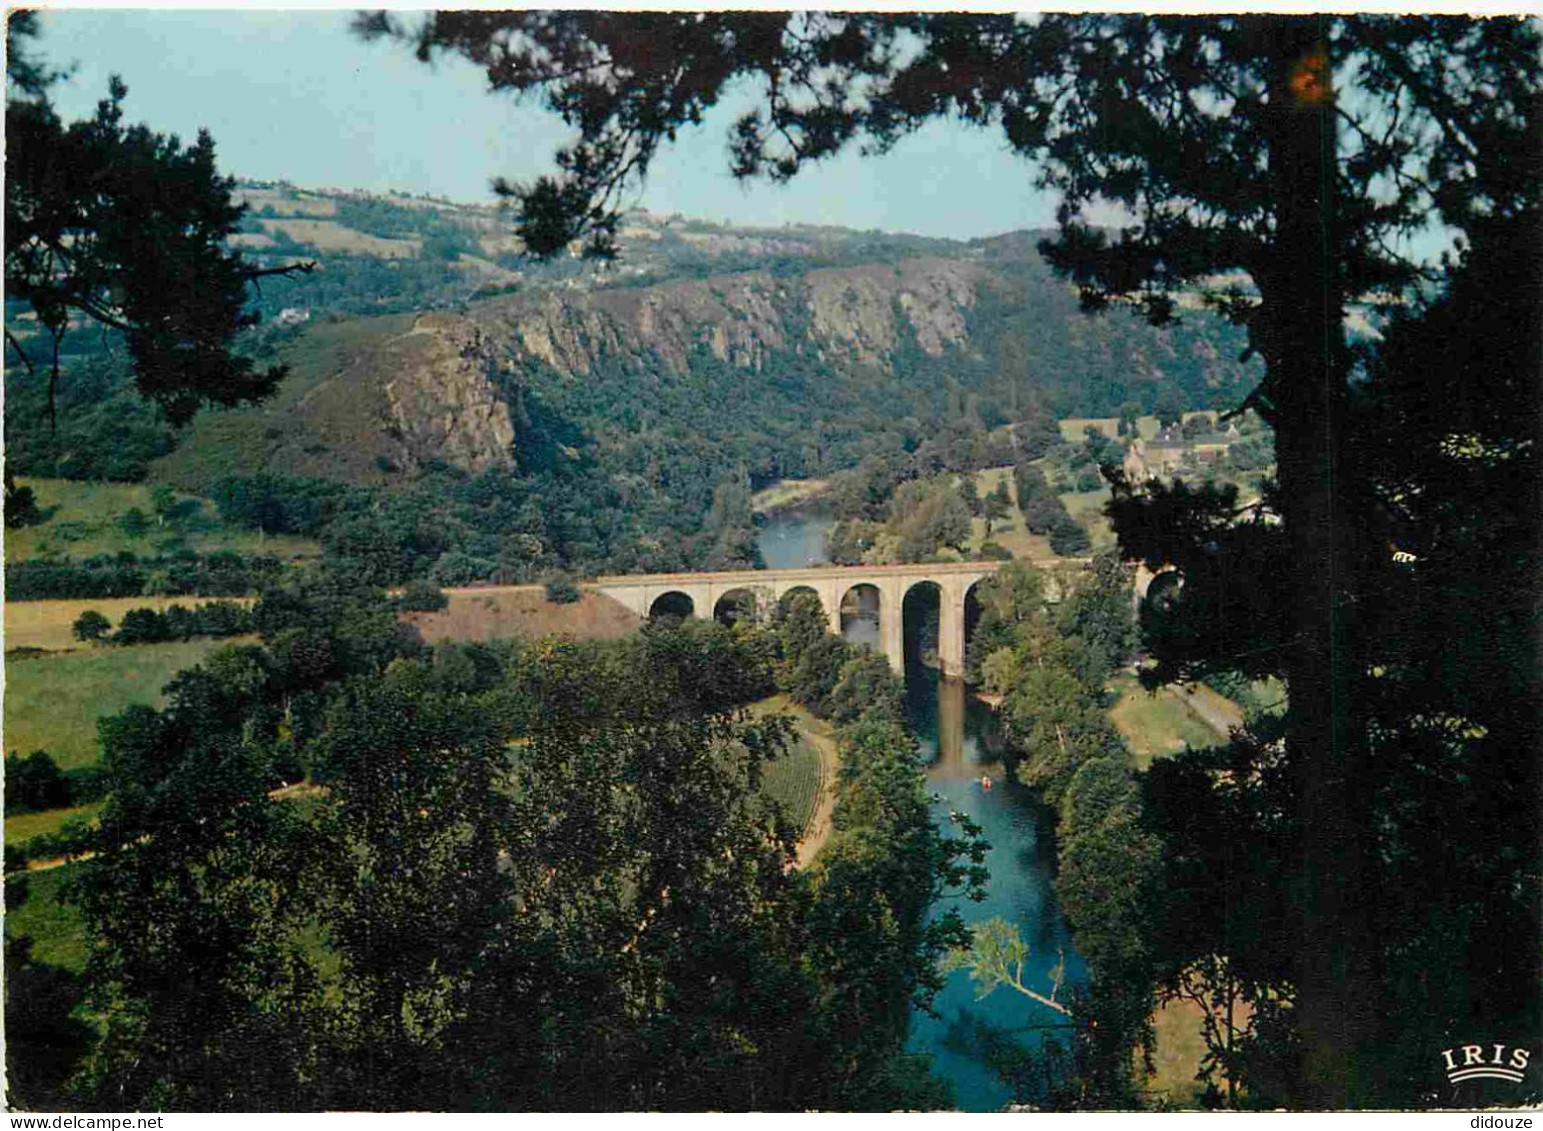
pixel 530 875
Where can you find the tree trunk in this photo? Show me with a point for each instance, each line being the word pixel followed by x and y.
pixel 1304 347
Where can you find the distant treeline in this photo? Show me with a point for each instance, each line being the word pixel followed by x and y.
pixel 36 783
pixel 175 622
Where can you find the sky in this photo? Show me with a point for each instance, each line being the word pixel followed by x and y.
pixel 295 96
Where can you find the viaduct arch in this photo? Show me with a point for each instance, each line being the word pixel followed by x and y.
pixel 831 584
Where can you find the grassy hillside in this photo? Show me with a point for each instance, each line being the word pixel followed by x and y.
pixel 504 612
pixel 53 702
pixel 1156 724
pixel 24 826
pixel 1084 506
pixel 1009 532
pixel 1087 507
pixel 269 437
pixel 87 519
pixel 58 931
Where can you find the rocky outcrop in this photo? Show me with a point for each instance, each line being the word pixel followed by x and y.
pixel 437 391
pixel 440 403
pixel 857 314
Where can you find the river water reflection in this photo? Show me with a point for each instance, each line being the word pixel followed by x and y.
pixel 795 539
pixel 957 738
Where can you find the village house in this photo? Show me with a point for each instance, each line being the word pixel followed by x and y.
pixel 1167 452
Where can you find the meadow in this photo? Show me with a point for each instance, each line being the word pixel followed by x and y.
pixel 25 826
pixel 57 930
pixel 1087 507
pixel 87 519
pixel 53 702
pixel 48 624
pixel 1074 428
pixel 501 612
pixel 1156 724
pixel 1009 533
pixel 786 493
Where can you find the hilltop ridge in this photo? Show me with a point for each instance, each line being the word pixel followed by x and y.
pixel 799 328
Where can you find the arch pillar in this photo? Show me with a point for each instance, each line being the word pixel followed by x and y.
pixel 892 622
pixel 830 594
pixel 951 627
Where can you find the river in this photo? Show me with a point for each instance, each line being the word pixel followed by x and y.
pixel 957 737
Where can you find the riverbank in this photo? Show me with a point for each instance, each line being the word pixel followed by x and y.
pixel 786 494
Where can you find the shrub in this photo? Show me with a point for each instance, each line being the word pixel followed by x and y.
pixel 223 618
pixel 21 508
pixel 1067 538
pixel 561 590
pixel 419 596
pixel 86 784
pixel 456 568
pixel 217 618
pixel 91 625
pixel 34 783
pixel 180 623
pixel 995 552
pixel 142 626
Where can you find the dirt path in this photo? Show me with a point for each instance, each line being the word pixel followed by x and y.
pixel 294 792
pixel 1217 712
pixel 817 832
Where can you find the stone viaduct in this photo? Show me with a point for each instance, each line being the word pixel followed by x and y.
pixel 702 592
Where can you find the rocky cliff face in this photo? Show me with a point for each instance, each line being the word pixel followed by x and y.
pixel 793 351
pixel 440 403
pixel 839 315
pixel 375 400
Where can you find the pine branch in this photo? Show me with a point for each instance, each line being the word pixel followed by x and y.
pixel 288 270
pixel 25 360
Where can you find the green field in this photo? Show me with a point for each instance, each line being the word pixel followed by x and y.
pixel 25 826
pixel 85 520
pixel 1086 507
pixel 58 931
pixel 53 702
pixel 794 780
pixel 1074 428
pixel 1009 532
pixel 1156 724
pixel 50 624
